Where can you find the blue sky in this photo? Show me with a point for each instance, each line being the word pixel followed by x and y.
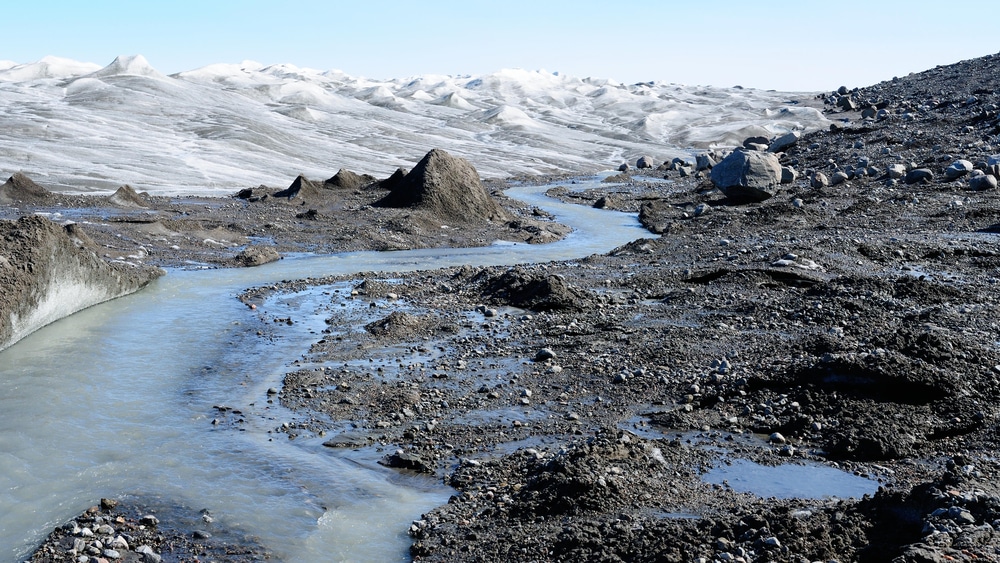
pixel 807 45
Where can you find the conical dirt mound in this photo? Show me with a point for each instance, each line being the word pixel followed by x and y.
pixel 21 188
pixel 446 186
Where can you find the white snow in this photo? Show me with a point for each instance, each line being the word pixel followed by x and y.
pixel 79 127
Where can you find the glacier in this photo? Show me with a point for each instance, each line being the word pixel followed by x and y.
pixel 82 128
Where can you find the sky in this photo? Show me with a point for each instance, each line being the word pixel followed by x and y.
pixel 807 45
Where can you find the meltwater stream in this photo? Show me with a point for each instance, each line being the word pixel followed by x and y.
pixel 116 399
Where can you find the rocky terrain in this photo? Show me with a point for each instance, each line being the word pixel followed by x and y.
pixel 831 306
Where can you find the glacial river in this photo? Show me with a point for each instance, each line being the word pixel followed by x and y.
pixel 119 399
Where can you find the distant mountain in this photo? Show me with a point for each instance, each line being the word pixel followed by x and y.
pixel 79 127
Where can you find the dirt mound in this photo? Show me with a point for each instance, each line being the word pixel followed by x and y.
pixel 446 186
pixel 21 188
pixel 518 288
pixel 46 275
pixel 396 324
pixel 393 181
pixel 300 188
pixel 348 180
pixel 126 196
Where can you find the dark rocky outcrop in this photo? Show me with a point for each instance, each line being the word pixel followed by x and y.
pixel 448 187
pixel 47 272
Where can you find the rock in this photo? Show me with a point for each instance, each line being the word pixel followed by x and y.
pixel 41 261
pixel 748 175
pixel 255 255
pixel 958 169
pixel 838 177
pixel 448 187
pixel 20 188
pixel 921 175
pixel 788 175
pixel 623 167
pixel 895 171
pixel 406 460
pixel 754 143
pixel 819 180
pixel 784 142
pixel 245 193
pixel 544 354
pixel 982 182
pixel 704 161
pixel 601 203
pixel 644 162
pixel 846 103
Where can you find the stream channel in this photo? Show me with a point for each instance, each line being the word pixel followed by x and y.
pixel 119 398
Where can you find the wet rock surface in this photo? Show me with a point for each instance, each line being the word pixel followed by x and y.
pixel 138 530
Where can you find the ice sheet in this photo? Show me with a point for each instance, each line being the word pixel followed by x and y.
pixel 77 127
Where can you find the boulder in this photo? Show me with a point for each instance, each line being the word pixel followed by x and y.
pixel 819 180
pixel 958 169
pixel 446 186
pixel 747 175
pixel 257 256
pixel 644 162
pixel 623 167
pixel 982 182
pixel 704 161
pixel 788 175
pixel 784 142
pixel 921 175
pixel 895 171
pixel 48 272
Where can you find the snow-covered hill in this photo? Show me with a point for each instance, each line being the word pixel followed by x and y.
pixel 78 127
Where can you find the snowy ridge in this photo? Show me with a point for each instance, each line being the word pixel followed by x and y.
pixel 79 127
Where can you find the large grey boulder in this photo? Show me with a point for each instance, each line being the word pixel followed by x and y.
pixel 747 175
pixel 785 141
pixel 48 272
